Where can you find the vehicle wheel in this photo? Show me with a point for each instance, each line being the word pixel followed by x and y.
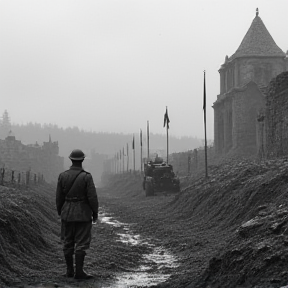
pixel 149 189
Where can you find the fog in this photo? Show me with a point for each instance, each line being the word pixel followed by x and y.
pixel 111 65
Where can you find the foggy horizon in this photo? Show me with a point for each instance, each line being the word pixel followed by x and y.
pixel 111 66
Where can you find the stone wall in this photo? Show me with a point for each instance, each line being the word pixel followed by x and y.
pixel 43 160
pixel 276 116
pixel 260 70
pixel 193 161
pixel 246 105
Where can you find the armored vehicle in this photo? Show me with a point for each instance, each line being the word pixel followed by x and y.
pixel 159 177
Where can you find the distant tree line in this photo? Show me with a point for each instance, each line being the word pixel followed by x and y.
pixel 98 146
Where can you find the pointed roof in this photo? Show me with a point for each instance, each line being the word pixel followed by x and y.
pixel 258 42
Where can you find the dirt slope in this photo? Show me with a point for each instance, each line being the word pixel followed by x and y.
pixel 31 251
pixel 207 226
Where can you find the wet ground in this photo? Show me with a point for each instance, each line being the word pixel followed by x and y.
pixel 228 231
pixel 155 266
pixel 130 258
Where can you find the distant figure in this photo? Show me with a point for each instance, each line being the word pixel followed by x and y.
pixel 77 204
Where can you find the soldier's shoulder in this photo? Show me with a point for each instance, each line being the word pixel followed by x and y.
pixel 63 173
pixel 87 173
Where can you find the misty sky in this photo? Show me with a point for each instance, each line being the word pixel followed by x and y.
pixel 111 65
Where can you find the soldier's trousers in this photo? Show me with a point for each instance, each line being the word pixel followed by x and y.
pixel 76 236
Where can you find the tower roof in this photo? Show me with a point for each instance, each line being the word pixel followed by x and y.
pixel 258 42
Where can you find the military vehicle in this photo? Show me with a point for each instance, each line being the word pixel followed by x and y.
pixel 159 177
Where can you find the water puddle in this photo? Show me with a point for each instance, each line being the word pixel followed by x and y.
pixel 155 266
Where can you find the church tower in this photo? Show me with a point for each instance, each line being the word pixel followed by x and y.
pixel 243 78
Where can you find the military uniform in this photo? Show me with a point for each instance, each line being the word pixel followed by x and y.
pixel 77 204
pixel 77 208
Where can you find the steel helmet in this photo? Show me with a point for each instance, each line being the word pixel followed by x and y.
pixel 77 154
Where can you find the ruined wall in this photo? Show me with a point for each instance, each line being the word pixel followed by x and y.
pixel 39 159
pixel 276 116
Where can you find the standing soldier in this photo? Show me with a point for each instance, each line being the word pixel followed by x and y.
pixel 77 204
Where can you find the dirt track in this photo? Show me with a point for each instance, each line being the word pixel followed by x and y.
pixel 226 231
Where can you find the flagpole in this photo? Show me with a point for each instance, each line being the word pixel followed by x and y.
pixel 123 160
pixel 127 158
pixel 166 122
pixel 133 153
pixel 148 156
pixel 141 149
pixel 204 107
pixel 167 144
pixel 120 160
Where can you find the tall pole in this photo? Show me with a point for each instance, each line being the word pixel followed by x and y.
pixel 133 147
pixel 127 158
pixel 148 156
pixel 141 150
pixel 123 160
pixel 167 144
pixel 166 122
pixel 204 108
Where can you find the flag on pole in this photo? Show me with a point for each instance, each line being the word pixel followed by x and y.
pixel 166 119
pixel 204 93
pixel 141 137
pixel 133 143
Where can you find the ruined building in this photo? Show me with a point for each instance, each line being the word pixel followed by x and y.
pixel 244 78
pixel 41 160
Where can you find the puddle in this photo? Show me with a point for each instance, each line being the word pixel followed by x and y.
pixel 154 269
pixel 155 264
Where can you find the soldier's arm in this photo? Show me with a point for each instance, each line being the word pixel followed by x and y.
pixel 60 197
pixel 92 195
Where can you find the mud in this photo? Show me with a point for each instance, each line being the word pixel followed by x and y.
pixel 154 266
pixel 230 230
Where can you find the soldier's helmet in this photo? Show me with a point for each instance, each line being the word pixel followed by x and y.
pixel 77 155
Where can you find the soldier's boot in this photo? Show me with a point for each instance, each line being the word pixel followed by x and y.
pixel 69 265
pixel 80 273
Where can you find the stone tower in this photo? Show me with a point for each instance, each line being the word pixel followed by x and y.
pixel 243 78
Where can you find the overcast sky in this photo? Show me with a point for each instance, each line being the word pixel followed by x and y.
pixel 111 65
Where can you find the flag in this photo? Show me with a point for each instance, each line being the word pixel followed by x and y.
pixel 141 137
pixel 166 119
pixel 133 143
pixel 204 94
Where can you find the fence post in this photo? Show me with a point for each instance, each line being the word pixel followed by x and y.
pixel 2 175
pixel 27 177
pixel 196 158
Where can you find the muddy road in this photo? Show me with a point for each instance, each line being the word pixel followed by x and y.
pixel 230 230
pixel 137 241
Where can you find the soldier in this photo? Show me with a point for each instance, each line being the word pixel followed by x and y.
pixel 77 204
